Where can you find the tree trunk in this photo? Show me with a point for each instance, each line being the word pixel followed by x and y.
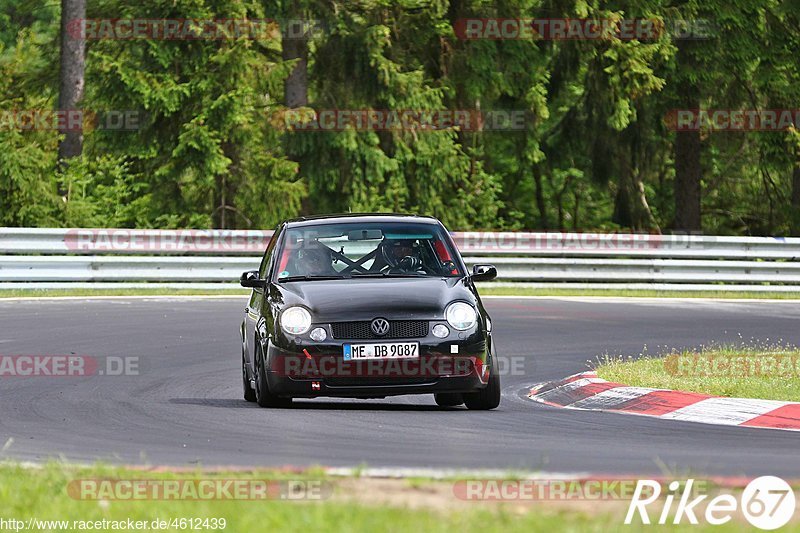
pixel 296 86
pixel 795 212
pixel 73 62
pixel 687 181
pixel 295 92
pixel 688 171
pixel 224 214
pixel 631 209
pixel 541 205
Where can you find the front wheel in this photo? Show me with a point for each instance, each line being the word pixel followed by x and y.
pixel 249 393
pixel 489 396
pixel 264 397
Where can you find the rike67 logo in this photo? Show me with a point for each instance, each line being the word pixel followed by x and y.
pixel 767 503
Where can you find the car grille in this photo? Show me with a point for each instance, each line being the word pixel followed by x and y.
pixel 398 329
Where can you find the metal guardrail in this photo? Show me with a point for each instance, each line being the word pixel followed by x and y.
pixel 253 242
pixel 63 258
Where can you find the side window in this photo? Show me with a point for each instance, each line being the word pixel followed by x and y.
pixel 265 261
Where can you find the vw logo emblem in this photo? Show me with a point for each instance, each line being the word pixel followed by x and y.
pixel 380 327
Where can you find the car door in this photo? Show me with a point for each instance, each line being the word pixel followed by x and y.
pixel 253 310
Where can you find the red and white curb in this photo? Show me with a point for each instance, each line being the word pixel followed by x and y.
pixel 588 392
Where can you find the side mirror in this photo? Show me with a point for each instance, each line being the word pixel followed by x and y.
pixel 483 273
pixel 251 280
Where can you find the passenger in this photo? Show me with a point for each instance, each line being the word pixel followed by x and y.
pixel 315 262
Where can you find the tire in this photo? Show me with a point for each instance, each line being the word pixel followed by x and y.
pixel 448 399
pixel 249 393
pixel 489 396
pixel 264 397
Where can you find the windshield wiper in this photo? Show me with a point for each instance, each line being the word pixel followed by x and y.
pixel 309 278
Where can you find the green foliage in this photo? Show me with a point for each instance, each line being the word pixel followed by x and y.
pixel 595 152
pixel 27 157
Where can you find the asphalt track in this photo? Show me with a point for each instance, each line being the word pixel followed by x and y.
pixel 185 406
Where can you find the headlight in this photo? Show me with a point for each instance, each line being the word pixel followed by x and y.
pixel 461 316
pixel 295 320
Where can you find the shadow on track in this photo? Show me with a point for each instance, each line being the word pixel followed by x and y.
pixel 354 405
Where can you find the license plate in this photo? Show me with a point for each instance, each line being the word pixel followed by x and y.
pixel 386 350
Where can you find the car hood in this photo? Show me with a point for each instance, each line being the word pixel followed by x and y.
pixel 364 299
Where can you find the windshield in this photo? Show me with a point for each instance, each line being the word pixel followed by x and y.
pixel 375 249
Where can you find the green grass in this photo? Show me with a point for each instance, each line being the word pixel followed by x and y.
pixel 747 370
pixel 485 291
pixel 41 493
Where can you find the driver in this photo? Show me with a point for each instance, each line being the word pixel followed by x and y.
pixel 401 253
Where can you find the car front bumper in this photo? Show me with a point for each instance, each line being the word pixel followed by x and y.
pixel 309 370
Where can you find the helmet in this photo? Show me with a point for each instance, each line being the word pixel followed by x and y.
pixel 315 261
pixel 395 250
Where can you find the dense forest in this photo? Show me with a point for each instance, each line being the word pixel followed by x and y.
pixel 206 143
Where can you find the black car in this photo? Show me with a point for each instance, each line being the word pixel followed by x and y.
pixel 367 306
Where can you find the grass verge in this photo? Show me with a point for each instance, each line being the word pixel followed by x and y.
pixel 44 494
pixel 485 291
pixel 767 372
